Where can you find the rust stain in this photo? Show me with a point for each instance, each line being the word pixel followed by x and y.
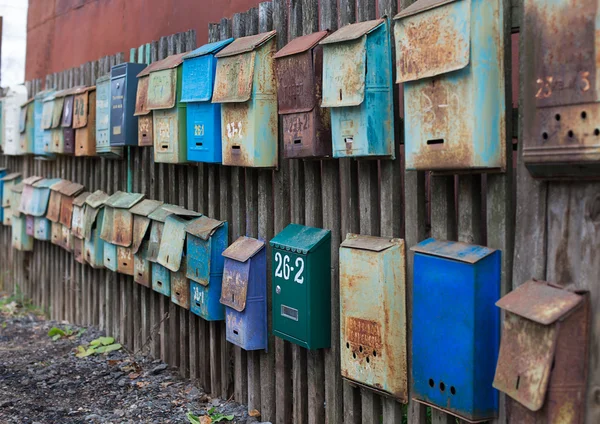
pixel 234 290
pixel 123 228
pixel 180 288
pixel 125 263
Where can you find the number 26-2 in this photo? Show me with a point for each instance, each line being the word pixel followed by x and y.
pixel 283 268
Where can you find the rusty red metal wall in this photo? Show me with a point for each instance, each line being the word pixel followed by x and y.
pixel 62 34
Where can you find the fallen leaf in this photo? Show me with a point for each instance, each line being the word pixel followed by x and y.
pixel 254 413
pixel 205 419
pixel 113 362
pixel 134 375
pixel 142 384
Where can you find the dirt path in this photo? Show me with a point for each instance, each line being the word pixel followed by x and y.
pixel 41 381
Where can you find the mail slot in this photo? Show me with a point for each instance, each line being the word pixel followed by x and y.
pixel 454 88
pixel 301 258
pixel 26 128
pixel 103 124
pixel 144 115
pixel 357 87
pixel 161 276
pixel 543 359
pixel 245 294
pixel 206 240
pixel 203 117
pixel 84 122
pixel 373 314
pixel 77 227
pixel 306 127
pixel 117 231
pixel 122 94
pixel 39 105
pixel 38 207
pixel 455 328
pixel 11 112
pixel 20 240
pixel 561 139
pixel 245 87
pixel 168 112
pixel 93 217
pixel 142 267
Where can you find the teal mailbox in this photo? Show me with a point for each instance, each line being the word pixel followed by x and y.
pixel 93 216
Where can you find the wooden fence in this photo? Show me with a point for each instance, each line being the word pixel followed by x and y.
pixel 287 383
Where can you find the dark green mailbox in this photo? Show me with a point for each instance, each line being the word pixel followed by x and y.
pixel 301 263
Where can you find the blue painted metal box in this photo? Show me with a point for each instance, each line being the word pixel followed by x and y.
pixel 123 89
pixel 357 86
pixel 206 240
pixel 103 124
pixel 39 206
pixel 456 328
pixel 39 148
pixel 454 89
pixel 203 117
pixel 245 293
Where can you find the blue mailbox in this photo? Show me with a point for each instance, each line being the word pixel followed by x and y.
pixel 207 239
pixel 123 88
pixel 203 117
pixel 39 206
pixel 456 328
pixel 39 148
pixel 245 293
pixel 358 87
pixel 454 89
pixel 93 217
pixel 2 175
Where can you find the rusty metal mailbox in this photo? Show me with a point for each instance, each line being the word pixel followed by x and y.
pixel 93 217
pixel 358 89
pixel 84 122
pixel 20 240
pixel 245 294
pixel 373 314
pixel 455 328
pixel 68 193
pixel 142 267
pixel 562 137
pixel 11 112
pixel 39 147
pixel 117 231
pixel 172 252
pixel 301 258
pixel 245 87
pixel 25 204
pixel 143 114
pixel 103 124
pixel 161 277
pixel 306 127
pixel 47 120
pixel 38 207
pixel 543 359
pixel 57 138
pixel 67 119
pixel 26 128
pixel 168 112
pixel 203 117
pixel 53 210
pixel 206 240
pixel 454 89
pixel 124 124
pixel 77 227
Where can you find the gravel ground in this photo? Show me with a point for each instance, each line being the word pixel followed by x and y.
pixel 42 382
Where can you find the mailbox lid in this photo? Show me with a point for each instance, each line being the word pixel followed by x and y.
pixel 69 189
pixel 199 72
pixel 459 251
pixel 123 200
pixel 48 111
pixel 297 92
pixel 141 97
pixel 93 205
pixel 97 199
pixel 529 339
pixel 162 82
pixel 300 239
pixel 422 52
pixel 172 244
pixel 243 249
pixel 203 227
pixel 41 196
pixel 57 111
pixel 146 207
pixel 10 177
pixel 24 115
pixel 236 275
pixel 345 64
pixel 80 107
pixel 179 211
pixel 160 214
pixel 372 243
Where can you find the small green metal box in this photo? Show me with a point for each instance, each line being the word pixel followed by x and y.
pixel 301 258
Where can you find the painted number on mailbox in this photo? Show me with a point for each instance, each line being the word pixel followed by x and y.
pixel 234 129
pixel 284 270
pixel 198 295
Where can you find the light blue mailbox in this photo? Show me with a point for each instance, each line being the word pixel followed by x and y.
pixel 207 239
pixel 357 86
pixel 93 217
pixel 245 294
pixel 38 207
pixel 454 87
pixel 203 117
pixel 39 147
pixel 455 327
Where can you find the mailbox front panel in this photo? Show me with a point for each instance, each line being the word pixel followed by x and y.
pixel 110 256
pixel 94 246
pixel 145 130
pixel 117 112
pixel 28 138
pixel 85 137
pixel 204 132
pixel 42 229
pixel 205 299
pixel 38 110
pixel 180 288
pixel 205 259
pixel 79 250
pixel 453 309
pixel 56 232
pixel 103 124
pixel 125 261
pixel 20 240
pixel 123 101
pixel 142 268
pixel 170 135
pixel 161 280
pixel 30 225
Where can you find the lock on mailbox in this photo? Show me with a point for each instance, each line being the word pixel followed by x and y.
pixel 543 359
pixel 93 217
pixel 11 112
pixel 26 128
pixel 245 86
pixel 203 117
pixel 302 286
pixel 357 86
pixel 123 122
pixel 117 231
pixel 562 137
pixel 77 227
pixel 161 277
pixel 306 127
pixel 142 268
pixel 8 181
pixel 20 240
pixel 206 240
pixel 245 294
pixel 84 122
pixel 103 124
pixel 38 207
pixel 454 89
pixel 454 290
pixel 373 314
pixel 172 252
pixel 39 113
pixel 163 98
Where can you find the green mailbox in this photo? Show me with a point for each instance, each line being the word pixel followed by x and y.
pixel 301 258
